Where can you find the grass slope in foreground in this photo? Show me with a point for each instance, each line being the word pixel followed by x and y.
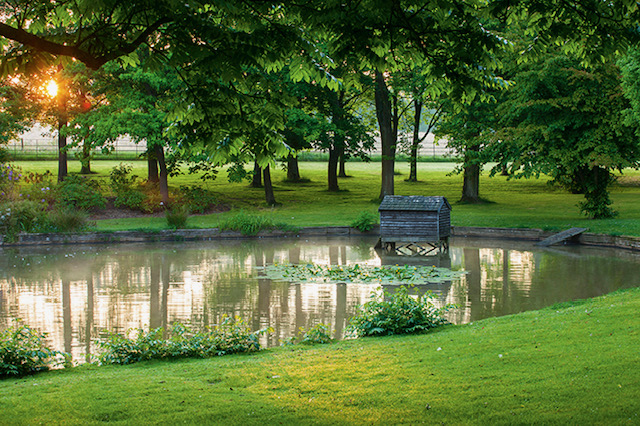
pixel 569 364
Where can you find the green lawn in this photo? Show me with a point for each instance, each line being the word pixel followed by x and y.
pixel 530 203
pixel 570 364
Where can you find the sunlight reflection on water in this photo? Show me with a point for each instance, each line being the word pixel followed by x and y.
pixel 74 293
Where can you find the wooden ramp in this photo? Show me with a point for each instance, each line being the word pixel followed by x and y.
pixel 562 236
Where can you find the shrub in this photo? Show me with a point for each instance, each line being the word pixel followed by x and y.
pixel 231 336
pixel 81 193
pixel 9 178
pixel 397 313
pixel 177 217
pixel 66 220
pixel 21 216
pixel 318 334
pixel 252 224
pixel 121 179
pixel 130 198
pixel 197 199
pixel 38 187
pixel 365 221
pixel 23 351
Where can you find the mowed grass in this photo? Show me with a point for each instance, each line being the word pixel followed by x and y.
pixel 571 364
pixel 518 203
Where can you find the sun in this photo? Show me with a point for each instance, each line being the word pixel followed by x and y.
pixel 52 88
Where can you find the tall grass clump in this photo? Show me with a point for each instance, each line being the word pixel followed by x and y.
pixel 365 221
pixel 177 217
pixel 23 351
pixel 231 336
pixel 248 224
pixel 397 313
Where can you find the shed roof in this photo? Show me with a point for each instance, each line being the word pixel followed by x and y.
pixel 413 203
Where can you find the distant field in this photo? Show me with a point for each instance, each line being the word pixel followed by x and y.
pixel 529 203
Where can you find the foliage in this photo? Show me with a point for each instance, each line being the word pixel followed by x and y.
pixel 231 336
pixel 23 351
pixel 196 198
pixel 80 192
pixel 365 221
pixel 21 216
pixel 66 220
pixel 9 177
pixel 397 313
pixel 318 334
pixel 16 111
pixel 177 216
pixel 131 198
pixel 248 224
pixel 566 120
pixel 121 178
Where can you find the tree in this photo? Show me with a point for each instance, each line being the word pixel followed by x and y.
pixel 566 120
pixel 17 113
pixel 446 42
pixel 330 122
pixel 135 102
pixel 469 130
pixel 630 71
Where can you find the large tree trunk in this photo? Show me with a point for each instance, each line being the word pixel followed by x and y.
pixel 164 183
pixel 293 171
pixel 333 169
pixel 85 159
pixel 471 182
pixel 256 181
pixel 415 143
pixel 388 134
pixel 268 187
pixel 152 167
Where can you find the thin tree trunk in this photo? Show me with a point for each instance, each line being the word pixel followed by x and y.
pixel 85 159
pixel 471 182
pixel 256 181
pixel 333 170
pixel 62 146
pixel 268 187
pixel 342 171
pixel 293 171
pixel 152 167
pixel 388 138
pixel 415 143
pixel 164 183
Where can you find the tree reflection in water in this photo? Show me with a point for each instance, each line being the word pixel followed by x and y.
pixel 76 293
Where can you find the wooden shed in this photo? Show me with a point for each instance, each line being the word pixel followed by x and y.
pixel 415 221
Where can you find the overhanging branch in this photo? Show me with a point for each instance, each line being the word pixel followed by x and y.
pixel 92 61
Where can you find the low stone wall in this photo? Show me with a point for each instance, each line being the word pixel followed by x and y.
pixel 175 235
pixel 628 243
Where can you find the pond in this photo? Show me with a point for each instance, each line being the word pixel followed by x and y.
pixel 75 293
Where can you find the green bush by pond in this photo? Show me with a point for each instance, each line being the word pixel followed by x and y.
pixel 23 351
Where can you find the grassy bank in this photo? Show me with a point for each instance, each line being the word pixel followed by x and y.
pixel 569 364
pixel 529 203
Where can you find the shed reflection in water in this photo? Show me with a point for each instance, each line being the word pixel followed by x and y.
pixel 75 293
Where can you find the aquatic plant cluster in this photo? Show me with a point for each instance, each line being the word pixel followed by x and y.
pixel 386 274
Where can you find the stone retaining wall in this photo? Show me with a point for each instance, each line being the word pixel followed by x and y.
pixel 628 243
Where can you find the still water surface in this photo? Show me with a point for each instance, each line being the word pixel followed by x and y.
pixel 74 293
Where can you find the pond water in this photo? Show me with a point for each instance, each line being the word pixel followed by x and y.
pixel 74 293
